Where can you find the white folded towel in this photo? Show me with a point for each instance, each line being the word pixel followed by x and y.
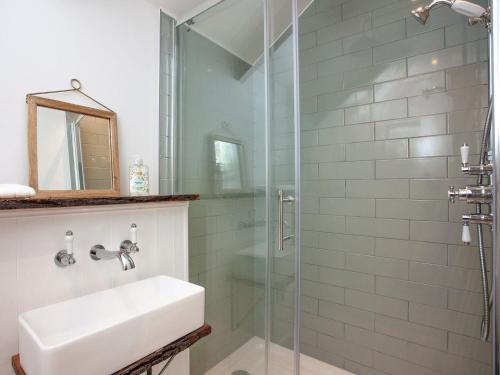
pixel 16 191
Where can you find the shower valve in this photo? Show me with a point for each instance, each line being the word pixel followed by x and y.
pixel 471 194
pixel 486 219
pixel 485 169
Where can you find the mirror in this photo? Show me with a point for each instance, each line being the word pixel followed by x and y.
pixel 229 164
pixel 73 149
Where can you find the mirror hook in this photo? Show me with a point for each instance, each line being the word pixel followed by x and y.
pixel 76 84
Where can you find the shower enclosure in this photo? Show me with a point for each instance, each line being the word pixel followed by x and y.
pixel 323 137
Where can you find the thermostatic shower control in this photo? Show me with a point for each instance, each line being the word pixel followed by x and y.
pixel 471 194
pixel 474 194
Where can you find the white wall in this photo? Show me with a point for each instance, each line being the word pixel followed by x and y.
pixel 112 46
pixel 54 171
pixel 29 278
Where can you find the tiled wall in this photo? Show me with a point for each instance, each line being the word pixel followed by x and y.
pixel 166 61
pixel 96 152
pixel 387 286
pixel 29 278
pixel 225 257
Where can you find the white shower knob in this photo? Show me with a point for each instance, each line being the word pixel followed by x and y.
pixel 466 234
pixel 133 233
pixel 69 242
pixel 464 153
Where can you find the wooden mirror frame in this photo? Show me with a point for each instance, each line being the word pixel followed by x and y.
pixel 33 103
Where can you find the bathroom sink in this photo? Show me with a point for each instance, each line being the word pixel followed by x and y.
pixel 103 332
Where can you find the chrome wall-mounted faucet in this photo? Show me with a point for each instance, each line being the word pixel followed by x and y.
pixel 127 247
pixel 65 257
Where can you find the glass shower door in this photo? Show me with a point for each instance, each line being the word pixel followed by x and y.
pixel 283 189
pixel 236 147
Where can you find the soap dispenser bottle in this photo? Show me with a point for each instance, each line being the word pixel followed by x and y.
pixel 139 177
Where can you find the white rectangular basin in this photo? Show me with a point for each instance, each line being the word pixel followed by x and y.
pixel 103 332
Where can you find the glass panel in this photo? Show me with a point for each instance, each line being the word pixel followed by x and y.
pixel 167 95
pixel 388 287
pixel 282 148
pixel 222 148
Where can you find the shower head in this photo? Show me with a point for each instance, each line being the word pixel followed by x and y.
pixel 471 10
pixel 421 14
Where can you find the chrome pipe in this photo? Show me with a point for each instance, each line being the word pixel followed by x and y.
pixel 485 323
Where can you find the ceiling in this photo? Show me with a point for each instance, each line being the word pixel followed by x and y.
pixel 235 25
pixel 182 10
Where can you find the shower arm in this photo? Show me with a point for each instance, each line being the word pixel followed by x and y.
pixel 435 3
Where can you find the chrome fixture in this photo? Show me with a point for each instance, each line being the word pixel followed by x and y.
pixel 476 13
pixel 281 221
pixel 479 195
pixel 474 170
pixel 471 194
pixel 65 257
pixel 127 247
pixel 486 219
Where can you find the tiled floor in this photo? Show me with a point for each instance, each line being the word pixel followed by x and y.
pixel 250 357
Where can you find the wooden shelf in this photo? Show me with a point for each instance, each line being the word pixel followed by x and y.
pixel 142 365
pixel 29 203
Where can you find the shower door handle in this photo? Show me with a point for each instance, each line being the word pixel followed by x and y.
pixel 282 199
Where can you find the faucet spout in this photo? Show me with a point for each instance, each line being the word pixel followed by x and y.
pixel 98 252
pixel 126 261
pixel 127 247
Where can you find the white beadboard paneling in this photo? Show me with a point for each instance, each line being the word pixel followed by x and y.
pixel 9 289
pixel 30 279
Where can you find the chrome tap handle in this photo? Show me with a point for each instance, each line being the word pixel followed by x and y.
pixel 133 233
pixel 452 194
pixel 65 257
pixel 466 233
pixel 464 154
pixel 130 246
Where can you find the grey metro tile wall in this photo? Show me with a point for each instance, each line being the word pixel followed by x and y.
pixel 389 288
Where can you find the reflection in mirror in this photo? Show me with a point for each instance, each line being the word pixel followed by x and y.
pixel 229 165
pixel 74 151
